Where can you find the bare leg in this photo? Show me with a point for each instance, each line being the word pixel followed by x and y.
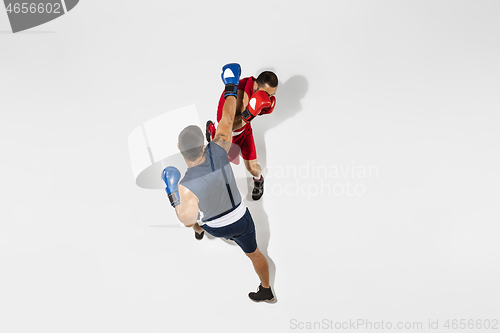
pixel 261 267
pixel 253 167
pixel 197 228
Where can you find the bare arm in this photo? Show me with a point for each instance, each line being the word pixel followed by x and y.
pixel 242 100
pixel 187 209
pixel 223 135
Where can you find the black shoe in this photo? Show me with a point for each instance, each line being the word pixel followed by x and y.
pixel 263 294
pixel 258 189
pixel 199 236
pixel 208 132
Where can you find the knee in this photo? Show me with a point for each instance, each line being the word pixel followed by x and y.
pixel 254 254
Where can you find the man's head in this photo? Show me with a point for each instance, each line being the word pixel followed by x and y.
pixel 266 81
pixel 191 143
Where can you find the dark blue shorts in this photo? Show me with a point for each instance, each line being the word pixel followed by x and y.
pixel 241 231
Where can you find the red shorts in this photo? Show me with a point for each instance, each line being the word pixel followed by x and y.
pixel 244 143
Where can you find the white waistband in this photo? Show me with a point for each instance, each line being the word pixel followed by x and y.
pixel 227 219
pixel 238 132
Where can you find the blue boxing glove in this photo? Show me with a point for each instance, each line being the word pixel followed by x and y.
pixel 231 76
pixel 171 177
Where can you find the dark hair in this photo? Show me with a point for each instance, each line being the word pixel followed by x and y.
pixel 191 142
pixel 267 77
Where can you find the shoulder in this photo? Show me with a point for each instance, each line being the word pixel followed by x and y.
pixel 184 190
pixel 249 85
pixel 186 193
pixel 247 81
pixel 186 178
pixel 218 151
pixel 243 83
pixel 216 148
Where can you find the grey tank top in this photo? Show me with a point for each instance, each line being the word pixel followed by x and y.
pixel 213 183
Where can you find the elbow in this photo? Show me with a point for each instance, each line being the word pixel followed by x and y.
pixel 188 223
pixel 186 220
pixel 182 218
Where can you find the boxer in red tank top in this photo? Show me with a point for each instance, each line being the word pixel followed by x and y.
pixel 255 97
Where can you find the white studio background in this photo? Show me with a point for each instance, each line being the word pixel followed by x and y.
pixel 397 98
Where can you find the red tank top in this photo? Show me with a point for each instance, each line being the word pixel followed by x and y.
pixel 245 84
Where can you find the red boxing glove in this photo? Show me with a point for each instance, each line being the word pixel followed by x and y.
pixel 269 109
pixel 259 101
